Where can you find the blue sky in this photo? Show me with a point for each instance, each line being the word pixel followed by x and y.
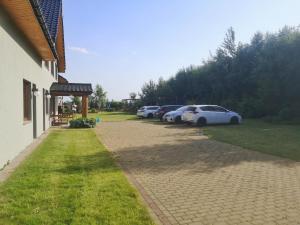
pixel 122 44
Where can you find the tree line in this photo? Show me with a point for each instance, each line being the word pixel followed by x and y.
pixel 257 79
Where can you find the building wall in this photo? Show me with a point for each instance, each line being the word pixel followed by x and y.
pixel 18 61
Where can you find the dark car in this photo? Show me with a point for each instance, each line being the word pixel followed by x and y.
pixel 164 109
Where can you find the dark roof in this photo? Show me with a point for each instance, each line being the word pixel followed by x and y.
pixel 62 80
pixel 48 13
pixel 71 89
pixel 51 11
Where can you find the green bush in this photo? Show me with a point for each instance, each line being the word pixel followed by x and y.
pixel 93 110
pixel 83 123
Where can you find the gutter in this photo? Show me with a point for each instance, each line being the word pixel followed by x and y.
pixel 37 12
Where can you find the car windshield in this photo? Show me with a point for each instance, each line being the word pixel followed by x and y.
pixel 181 109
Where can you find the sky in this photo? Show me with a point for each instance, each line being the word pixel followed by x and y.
pixel 121 44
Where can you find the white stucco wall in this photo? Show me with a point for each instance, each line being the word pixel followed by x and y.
pixel 18 61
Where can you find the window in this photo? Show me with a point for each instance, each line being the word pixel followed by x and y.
pixel 56 73
pixel 52 105
pixel 47 103
pixel 219 109
pixel 205 108
pixel 52 68
pixel 27 100
pixel 152 108
pixel 46 64
pixel 191 108
pixel 182 109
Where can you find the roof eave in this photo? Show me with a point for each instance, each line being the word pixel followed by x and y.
pixel 60 46
pixel 24 17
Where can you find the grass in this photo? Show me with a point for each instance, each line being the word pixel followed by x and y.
pixel 112 116
pixel 70 179
pixel 275 139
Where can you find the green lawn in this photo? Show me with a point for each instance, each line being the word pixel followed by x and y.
pixel 275 139
pixel 70 179
pixel 112 116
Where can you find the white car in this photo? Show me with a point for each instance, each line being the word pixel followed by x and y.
pixel 175 116
pixel 210 114
pixel 147 111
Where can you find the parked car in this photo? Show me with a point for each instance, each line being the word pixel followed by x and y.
pixel 175 116
pixel 164 109
pixel 147 111
pixel 210 114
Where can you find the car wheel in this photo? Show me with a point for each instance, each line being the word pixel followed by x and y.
pixel 234 120
pixel 201 122
pixel 178 119
pixel 150 116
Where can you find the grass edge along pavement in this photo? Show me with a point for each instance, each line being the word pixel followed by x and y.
pixel 70 179
pixel 281 140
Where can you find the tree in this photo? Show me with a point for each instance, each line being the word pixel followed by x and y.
pixel 229 45
pixel 258 79
pixel 77 101
pixel 148 95
pixel 98 98
pixel 132 95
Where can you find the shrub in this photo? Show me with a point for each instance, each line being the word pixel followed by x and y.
pixel 93 110
pixel 83 123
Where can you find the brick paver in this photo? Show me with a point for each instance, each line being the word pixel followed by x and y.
pixel 189 179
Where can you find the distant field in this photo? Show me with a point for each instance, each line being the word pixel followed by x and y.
pixel 275 139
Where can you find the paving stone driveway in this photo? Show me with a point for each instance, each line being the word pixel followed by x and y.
pixel 187 179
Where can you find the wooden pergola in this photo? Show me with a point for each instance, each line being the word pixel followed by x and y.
pixel 73 89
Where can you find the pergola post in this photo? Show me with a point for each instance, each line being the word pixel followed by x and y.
pixel 84 106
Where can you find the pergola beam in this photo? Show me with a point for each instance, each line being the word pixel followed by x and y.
pixel 73 89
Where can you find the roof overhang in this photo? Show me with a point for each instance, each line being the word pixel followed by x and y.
pixel 24 17
pixel 60 46
pixel 68 89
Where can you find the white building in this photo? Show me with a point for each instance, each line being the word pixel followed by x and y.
pixel 31 55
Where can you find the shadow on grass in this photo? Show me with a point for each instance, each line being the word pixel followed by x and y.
pixel 98 162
